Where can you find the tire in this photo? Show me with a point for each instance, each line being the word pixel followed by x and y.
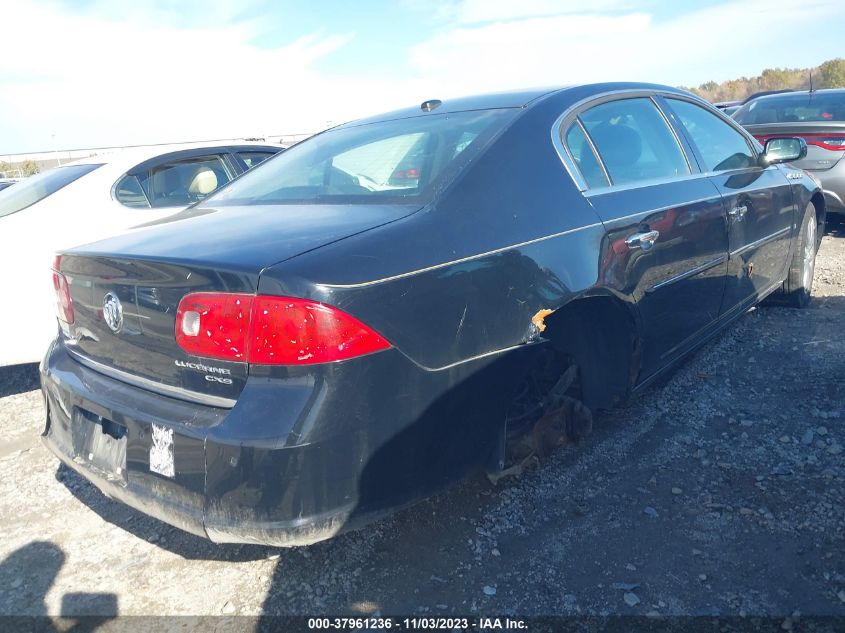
pixel 798 285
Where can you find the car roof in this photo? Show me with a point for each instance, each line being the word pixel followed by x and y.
pixel 127 158
pixel 509 99
pixel 796 94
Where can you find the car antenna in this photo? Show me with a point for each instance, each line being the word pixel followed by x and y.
pixel 428 106
pixel 812 90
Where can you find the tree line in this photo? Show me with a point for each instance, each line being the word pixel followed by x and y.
pixel 830 74
pixel 23 169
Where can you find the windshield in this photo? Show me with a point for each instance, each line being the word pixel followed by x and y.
pixel 388 162
pixel 792 108
pixel 35 188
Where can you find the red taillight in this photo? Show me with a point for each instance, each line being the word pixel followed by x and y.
pixel 406 174
pixel 833 143
pixel 214 325
pixel 270 330
pixel 64 304
pixel 287 331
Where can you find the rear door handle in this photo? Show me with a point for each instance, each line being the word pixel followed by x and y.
pixel 644 241
pixel 738 213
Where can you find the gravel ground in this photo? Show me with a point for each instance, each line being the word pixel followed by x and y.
pixel 717 492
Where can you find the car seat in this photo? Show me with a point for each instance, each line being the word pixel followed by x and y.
pixel 203 183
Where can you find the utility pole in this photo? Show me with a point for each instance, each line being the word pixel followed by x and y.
pixel 55 151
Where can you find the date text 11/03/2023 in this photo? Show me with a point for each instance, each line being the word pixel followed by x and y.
pixel 418 623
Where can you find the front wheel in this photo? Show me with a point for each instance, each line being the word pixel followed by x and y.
pixel 798 285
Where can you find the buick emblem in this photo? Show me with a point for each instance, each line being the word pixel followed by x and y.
pixel 113 312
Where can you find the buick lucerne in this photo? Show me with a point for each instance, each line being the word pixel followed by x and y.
pixel 381 309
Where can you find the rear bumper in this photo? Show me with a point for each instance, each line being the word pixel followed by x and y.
pixel 833 185
pixel 297 460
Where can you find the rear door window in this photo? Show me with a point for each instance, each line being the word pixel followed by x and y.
pixel 178 183
pixel 36 188
pixel 720 145
pixel 634 141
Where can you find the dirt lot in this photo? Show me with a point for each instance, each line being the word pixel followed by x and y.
pixel 717 492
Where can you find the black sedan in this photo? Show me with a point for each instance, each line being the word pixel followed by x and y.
pixel 381 309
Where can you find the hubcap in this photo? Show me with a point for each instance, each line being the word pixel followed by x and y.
pixel 809 253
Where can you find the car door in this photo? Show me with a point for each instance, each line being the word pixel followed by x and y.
pixel 757 199
pixel 665 246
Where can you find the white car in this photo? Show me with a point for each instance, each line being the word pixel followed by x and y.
pixel 88 200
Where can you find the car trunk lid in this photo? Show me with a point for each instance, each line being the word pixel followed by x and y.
pixel 125 318
pixel 126 290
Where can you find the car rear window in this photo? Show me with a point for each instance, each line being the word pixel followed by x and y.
pixel 792 108
pixel 387 162
pixel 36 188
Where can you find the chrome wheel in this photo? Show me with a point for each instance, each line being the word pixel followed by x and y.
pixel 809 253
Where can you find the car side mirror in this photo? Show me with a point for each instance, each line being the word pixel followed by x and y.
pixel 783 150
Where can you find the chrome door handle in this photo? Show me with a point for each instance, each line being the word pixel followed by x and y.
pixel 644 241
pixel 738 212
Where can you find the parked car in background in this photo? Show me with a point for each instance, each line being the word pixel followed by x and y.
pixel 725 105
pixel 764 93
pixel 819 118
pixel 6 182
pixel 324 341
pixel 91 199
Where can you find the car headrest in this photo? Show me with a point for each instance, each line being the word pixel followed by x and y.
pixel 203 182
pixel 620 146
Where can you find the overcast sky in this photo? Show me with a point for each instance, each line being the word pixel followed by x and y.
pixel 111 72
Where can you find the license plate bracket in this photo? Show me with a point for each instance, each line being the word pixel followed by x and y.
pixel 99 443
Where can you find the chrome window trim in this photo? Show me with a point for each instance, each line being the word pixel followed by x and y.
pixel 643 184
pixel 595 151
pixel 572 112
pixel 152 385
pixel 564 155
pixel 661 181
